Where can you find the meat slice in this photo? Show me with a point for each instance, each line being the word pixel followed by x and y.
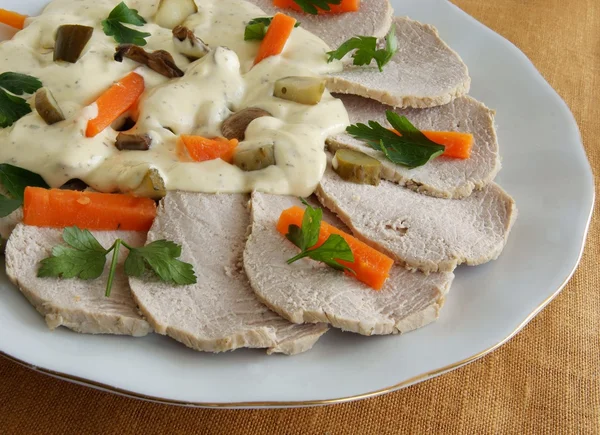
pixel 308 291
pixel 374 18
pixel 443 177
pixel 220 312
pixel 74 303
pixel 8 223
pixel 425 72
pixel 425 233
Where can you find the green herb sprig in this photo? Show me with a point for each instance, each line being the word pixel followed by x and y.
pixel 366 50
pixel 13 108
pixel 335 247
pixel 15 180
pixel 85 258
pixel 310 6
pixel 411 149
pixel 113 25
pixel 256 29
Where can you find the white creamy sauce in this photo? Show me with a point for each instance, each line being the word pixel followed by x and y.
pixel 223 82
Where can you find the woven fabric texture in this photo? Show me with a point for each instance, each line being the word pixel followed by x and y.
pixel 545 380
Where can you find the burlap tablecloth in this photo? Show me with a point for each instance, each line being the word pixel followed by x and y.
pixel 546 380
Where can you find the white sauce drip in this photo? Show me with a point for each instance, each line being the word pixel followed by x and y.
pixel 212 89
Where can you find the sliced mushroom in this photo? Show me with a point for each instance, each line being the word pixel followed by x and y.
pixel 255 159
pixel 235 126
pixel 133 142
pixel 123 123
pixel 75 184
pixel 172 13
pixel 160 61
pixel 152 185
pixel 47 107
pixel 303 90
pixel 188 44
pixel 71 39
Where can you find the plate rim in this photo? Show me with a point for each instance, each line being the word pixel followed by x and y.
pixel 411 381
pixel 307 403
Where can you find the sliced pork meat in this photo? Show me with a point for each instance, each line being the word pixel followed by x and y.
pixel 308 291
pixel 8 223
pixel 425 233
pixel 220 312
pixel 443 177
pixel 374 18
pixel 74 303
pixel 425 72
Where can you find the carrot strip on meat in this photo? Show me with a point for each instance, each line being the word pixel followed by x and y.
pixel 202 149
pixel 371 266
pixel 12 19
pixel 87 210
pixel 458 145
pixel 344 6
pixel 115 101
pixel 277 35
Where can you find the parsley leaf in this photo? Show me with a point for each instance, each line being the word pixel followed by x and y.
pixel 295 236
pixel 256 29
pixel 13 108
pixel 161 258
pixel 113 25
pixel 255 32
pixel 310 6
pixel 333 249
pixel 411 149
pixel 366 50
pixel 8 205
pixel 19 84
pixel 69 263
pixel 391 47
pixel 15 180
pixel 82 240
pixel 85 258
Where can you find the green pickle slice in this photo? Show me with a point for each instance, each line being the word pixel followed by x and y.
pixel 357 167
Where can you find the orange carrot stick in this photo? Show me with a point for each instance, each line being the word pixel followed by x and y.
pixel 115 101
pixel 202 149
pixel 87 210
pixel 371 266
pixel 457 144
pixel 277 35
pixel 344 6
pixel 12 19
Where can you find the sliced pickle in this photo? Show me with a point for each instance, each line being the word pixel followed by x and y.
pixel 133 142
pixel 70 42
pixel 255 159
pixel 47 107
pixel 152 185
pixel 357 167
pixel 171 13
pixel 303 90
pixel 188 44
pixel 235 126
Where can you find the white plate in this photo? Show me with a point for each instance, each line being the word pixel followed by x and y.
pixel 545 169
